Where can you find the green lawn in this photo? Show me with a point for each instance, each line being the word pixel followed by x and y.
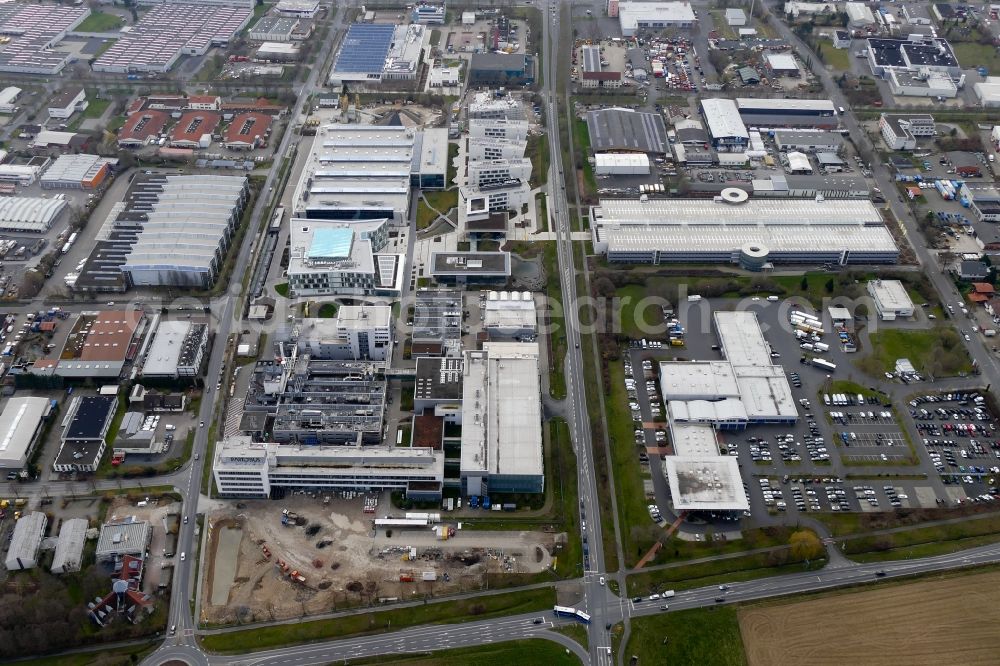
pixel 282 289
pixel 541 212
pixel 697 637
pixel 425 215
pixel 924 541
pixel 327 311
pixel 838 59
pixel 442 200
pixel 638 323
pixel 538 152
pixel 575 631
pixel 581 148
pixel 98 21
pixel 96 107
pixel 557 330
pixel 937 352
pixel 459 610
pixel 721 25
pixel 528 651
pixel 978 54
pixel 639 533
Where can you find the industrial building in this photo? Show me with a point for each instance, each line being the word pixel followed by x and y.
pixel 26 542
pixel 378 52
pixel 891 299
pixel 782 64
pixel 247 131
pixel 299 399
pixel 171 30
pixel 123 538
pixel 358 332
pixel 278 52
pixel 244 468
pixel 502 420
pixel 437 323
pixel 754 233
pixel 431 14
pixel 8 96
pixel 624 130
pixel 142 128
pixel 988 91
pixel 900 131
pixel 510 314
pixel 725 127
pixel 637 16
pixel 20 174
pixel 763 111
pixel 340 258
pixel 69 547
pixel 501 69
pixel 811 142
pixel 618 164
pixel 31 32
pixel 99 345
pixel 274 29
pixel 438 387
pixel 593 74
pixel 858 14
pixel 985 203
pixel 470 267
pixel 137 434
pixel 178 350
pixel 85 428
pixel 361 172
pixel 21 424
pixel 67 102
pixel 170 231
pixel 920 83
pixel 194 129
pixel 920 54
pixel 736 17
pixel 29 214
pixel 298 8
pixel 77 172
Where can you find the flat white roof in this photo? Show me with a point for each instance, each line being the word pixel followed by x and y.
pixel 693 440
pixel 890 295
pixel 18 423
pixel 693 380
pixel 705 484
pixel 161 359
pixel 630 14
pixel 764 104
pixel 781 61
pixel 364 317
pixel 621 159
pixel 740 338
pixel 759 212
pixel 792 239
pixel 723 118
pixel 502 410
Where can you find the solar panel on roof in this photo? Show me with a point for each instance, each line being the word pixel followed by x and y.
pixel 365 48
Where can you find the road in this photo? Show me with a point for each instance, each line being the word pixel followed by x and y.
pixel 596 596
pixel 228 316
pixel 418 640
pixel 885 181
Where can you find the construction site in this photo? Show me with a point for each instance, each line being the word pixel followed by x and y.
pixel 313 553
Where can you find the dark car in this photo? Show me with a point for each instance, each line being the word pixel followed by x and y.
pixel 720 600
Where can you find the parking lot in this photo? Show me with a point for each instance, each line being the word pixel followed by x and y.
pixel 819 463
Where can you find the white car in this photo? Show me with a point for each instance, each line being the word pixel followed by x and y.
pixel 183 555
pixel 602 580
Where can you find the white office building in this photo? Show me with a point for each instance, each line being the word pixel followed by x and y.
pixel 891 299
pixel 482 173
pixel 495 149
pixel 298 8
pixel 244 468
pixel 358 332
pixel 498 128
pixel 8 96
pixel 901 131
pixel 502 420
pixel 336 258
pixel 637 16
pixel 510 314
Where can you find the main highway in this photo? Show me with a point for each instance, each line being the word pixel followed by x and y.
pixel 417 640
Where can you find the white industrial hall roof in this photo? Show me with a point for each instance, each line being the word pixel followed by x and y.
pixel 723 118
pixel 19 422
pixel 501 410
pixel 34 214
pixel 755 212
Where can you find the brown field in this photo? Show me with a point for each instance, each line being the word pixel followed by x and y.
pixel 949 621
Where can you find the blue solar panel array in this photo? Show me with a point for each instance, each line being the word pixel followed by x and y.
pixel 365 48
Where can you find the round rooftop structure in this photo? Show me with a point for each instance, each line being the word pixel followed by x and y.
pixel 734 195
pixel 753 256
